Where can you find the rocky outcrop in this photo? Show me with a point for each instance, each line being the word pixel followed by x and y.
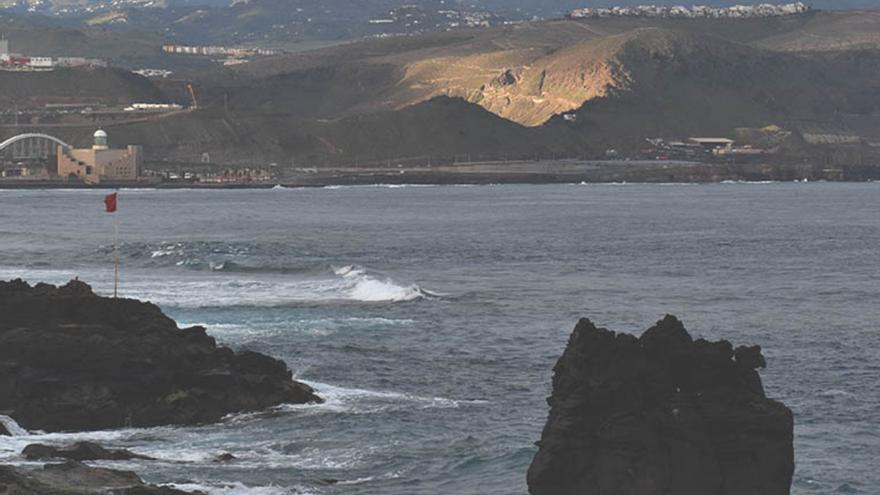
pixel 72 360
pixel 74 478
pixel 80 451
pixel 661 414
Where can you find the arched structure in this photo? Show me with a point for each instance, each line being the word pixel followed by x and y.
pixel 22 137
pixel 32 146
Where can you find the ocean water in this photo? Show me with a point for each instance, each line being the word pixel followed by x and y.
pixel 430 317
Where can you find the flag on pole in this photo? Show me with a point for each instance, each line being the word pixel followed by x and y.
pixel 110 202
pixel 110 207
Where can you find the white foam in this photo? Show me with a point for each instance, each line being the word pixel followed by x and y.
pixel 372 290
pixel 236 488
pixel 749 182
pixel 368 287
pixel 10 447
pixel 381 186
pixel 363 401
pixel 218 289
pixel 318 327
pixel 12 427
pixel 367 479
pixel 349 271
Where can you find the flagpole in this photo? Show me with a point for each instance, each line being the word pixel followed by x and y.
pixel 116 252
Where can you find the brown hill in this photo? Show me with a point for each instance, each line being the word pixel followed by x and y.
pixel 439 128
pixel 845 30
pixel 106 85
pixel 529 75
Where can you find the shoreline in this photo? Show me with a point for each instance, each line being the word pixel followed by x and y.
pixel 558 172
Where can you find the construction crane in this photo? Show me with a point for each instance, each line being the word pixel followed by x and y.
pixel 192 95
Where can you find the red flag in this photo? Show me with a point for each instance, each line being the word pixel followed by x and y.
pixel 110 202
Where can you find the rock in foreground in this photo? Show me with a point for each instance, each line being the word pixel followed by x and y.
pixel 72 360
pixel 80 451
pixel 661 414
pixel 74 478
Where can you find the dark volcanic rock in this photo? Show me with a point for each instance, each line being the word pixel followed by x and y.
pixel 661 414
pixel 71 360
pixel 74 478
pixel 225 457
pixel 80 451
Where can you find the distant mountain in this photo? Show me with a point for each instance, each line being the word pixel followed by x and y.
pixel 552 8
pixel 297 23
pixel 515 9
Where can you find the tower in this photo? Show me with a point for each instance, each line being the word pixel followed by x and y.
pixel 100 140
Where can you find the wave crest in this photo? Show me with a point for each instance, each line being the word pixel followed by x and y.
pixel 361 285
pixel 12 427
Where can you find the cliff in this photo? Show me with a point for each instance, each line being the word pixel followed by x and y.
pixel 72 360
pixel 661 414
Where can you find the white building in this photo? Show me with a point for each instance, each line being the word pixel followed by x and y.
pixel 41 62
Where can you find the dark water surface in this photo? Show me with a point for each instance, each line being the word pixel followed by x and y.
pixel 431 317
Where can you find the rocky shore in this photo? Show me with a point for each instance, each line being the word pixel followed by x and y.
pixel 661 414
pixel 71 360
pixel 75 478
pixel 518 172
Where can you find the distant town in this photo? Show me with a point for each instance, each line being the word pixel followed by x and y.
pixel 693 12
pixel 19 61
pixel 42 159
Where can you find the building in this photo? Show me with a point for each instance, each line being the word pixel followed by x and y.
pixel 100 163
pixel 41 62
pixel 712 144
pixel 4 46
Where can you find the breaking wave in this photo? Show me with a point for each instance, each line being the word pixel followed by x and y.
pixel 12 427
pixel 248 331
pixel 362 401
pixel 339 284
pixel 361 285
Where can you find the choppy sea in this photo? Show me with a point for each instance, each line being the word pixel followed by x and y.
pixel 430 317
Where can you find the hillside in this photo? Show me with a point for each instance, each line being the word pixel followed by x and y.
pixel 500 92
pixel 49 37
pixel 830 31
pixel 440 127
pixel 99 85
pixel 530 73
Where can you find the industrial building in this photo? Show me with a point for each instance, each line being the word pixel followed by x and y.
pixel 100 163
pixel 15 61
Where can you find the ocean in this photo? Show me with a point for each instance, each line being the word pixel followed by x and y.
pixel 430 318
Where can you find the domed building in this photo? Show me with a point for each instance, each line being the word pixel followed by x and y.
pixel 100 163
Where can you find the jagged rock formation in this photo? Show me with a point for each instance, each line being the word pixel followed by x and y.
pixel 661 414
pixel 80 451
pixel 72 360
pixel 74 478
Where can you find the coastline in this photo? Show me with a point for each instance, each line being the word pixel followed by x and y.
pixel 523 172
